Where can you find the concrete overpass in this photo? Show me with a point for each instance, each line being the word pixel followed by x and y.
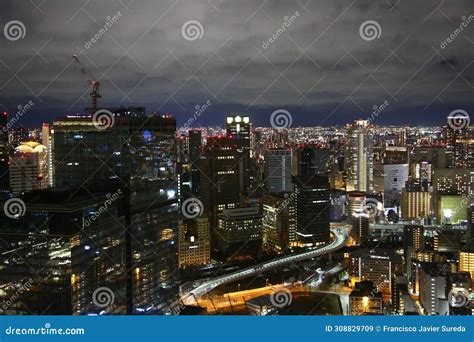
pixel 340 239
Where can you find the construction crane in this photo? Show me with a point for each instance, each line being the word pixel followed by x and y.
pixel 92 81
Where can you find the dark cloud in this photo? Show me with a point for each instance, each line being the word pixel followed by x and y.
pixel 319 68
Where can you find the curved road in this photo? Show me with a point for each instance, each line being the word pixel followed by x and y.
pixel 340 240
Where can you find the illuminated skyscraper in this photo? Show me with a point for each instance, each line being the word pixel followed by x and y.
pixel 194 154
pixel 278 171
pixel 29 167
pixel 240 128
pixel 360 227
pixel 220 178
pixel 359 157
pixel 4 153
pixel 137 155
pixel 194 242
pixel 312 206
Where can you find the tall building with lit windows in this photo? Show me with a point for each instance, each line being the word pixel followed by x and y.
pixel 239 232
pixel 220 176
pixel 4 153
pixel 360 227
pixel 29 167
pixel 239 128
pixel 416 200
pixel 138 155
pixel 194 242
pixel 312 209
pixel 194 144
pixel 277 234
pixel 278 171
pixel 359 164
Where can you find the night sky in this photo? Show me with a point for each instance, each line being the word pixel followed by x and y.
pixel 319 68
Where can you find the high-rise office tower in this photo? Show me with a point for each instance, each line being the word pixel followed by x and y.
pixel 395 177
pixel 4 153
pixel 47 137
pixel 29 167
pixel 433 287
pixel 360 227
pixel 416 201
pixel 309 160
pixel 194 154
pixel 66 246
pixel 220 176
pixel 460 142
pixel 137 155
pixel 359 157
pixel 312 206
pixel 194 242
pixel 240 128
pixel 464 149
pixel 376 265
pixel 276 223
pixel 278 171
pixel 239 232
pixel 436 155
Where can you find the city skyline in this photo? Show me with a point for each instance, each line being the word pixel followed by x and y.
pixel 251 158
